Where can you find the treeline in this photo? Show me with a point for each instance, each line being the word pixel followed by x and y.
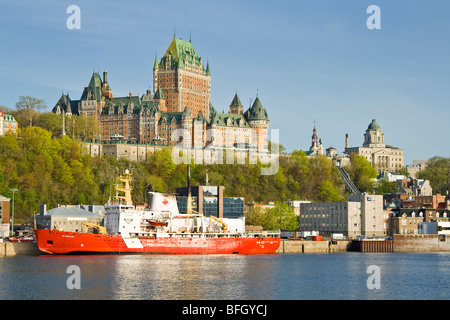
pixel 49 170
pixel 438 172
pixel 27 112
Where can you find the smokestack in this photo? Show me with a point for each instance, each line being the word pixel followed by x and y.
pixel 346 140
pixel 105 77
pixel 131 95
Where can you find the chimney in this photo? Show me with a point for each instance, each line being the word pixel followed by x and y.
pixel 105 77
pixel 131 95
pixel 148 92
pixel 346 140
pixel 43 209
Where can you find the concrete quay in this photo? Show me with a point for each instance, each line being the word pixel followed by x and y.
pixel 401 243
pixel 305 246
pixel 19 248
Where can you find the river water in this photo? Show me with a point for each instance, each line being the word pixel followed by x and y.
pixel 341 276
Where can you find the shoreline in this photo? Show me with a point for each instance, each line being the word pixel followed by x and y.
pixel 400 243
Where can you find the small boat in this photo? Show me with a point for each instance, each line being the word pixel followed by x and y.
pixel 153 222
pixel 22 239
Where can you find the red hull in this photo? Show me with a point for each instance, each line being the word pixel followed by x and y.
pixel 62 242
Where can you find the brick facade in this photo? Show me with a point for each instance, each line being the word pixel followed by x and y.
pixel 179 112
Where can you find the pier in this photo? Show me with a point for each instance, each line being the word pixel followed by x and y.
pixel 305 246
pixel 18 248
pixel 372 246
pixel 401 243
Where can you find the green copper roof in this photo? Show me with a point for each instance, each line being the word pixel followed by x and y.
pixel 66 105
pixel 159 94
pixel 186 112
pixel 170 117
pixel 180 52
pixel 94 87
pixel 229 119
pixel 179 49
pixel 373 125
pixel 116 102
pixel 9 118
pixel 257 112
pixel 236 101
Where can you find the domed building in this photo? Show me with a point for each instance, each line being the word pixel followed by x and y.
pixel 383 157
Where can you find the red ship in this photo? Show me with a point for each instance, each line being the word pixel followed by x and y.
pixel 160 229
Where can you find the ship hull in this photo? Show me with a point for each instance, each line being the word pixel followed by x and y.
pixel 62 242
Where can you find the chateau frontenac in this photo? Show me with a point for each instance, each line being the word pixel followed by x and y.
pixel 178 111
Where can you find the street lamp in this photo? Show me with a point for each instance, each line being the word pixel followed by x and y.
pixel 12 221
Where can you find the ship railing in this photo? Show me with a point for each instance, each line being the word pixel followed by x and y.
pixel 190 235
pixel 268 233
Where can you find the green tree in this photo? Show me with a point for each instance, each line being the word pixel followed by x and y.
pixel 27 108
pixel 361 172
pixel 298 169
pixel 328 192
pixel 386 187
pixel 51 122
pixel 161 163
pixel 438 172
pixel 254 216
pixel 280 217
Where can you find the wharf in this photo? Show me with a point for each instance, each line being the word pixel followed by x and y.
pixel 306 246
pixel 375 245
pixel 401 243
pixel 19 248
pixel 286 246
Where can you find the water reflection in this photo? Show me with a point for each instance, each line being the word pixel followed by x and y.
pixel 179 277
pixel 226 277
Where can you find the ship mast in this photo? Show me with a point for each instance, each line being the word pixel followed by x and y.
pixel 126 188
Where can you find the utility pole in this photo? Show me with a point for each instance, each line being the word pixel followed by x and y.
pixel 63 123
pixel 12 221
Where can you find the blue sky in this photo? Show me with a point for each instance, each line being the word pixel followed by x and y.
pixel 307 60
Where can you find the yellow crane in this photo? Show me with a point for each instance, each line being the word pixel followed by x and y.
pixel 224 226
pixel 85 226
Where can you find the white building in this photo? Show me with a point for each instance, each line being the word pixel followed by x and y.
pixel 296 204
pixel 66 218
pixel 415 167
pixel 381 156
pixel 362 215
